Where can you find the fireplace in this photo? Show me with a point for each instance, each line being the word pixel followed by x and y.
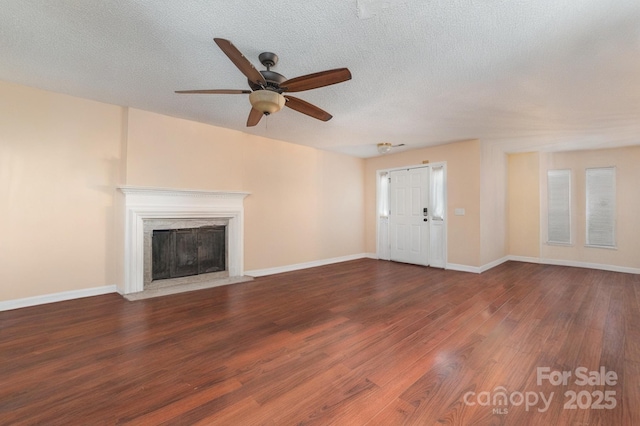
pixel 207 227
pixel 184 251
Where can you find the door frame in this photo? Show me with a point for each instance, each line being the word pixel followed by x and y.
pixel 383 251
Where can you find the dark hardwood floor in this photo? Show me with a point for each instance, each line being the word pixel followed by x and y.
pixel 362 342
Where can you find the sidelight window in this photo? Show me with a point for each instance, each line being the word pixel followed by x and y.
pixel 383 198
pixel 437 192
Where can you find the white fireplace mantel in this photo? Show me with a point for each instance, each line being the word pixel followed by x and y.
pixel 145 203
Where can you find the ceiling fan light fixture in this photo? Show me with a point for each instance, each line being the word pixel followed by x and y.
pixel 384 147
pixel 267 101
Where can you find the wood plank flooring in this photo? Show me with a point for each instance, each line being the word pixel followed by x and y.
pixel 364 342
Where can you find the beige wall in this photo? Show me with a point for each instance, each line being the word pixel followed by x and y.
pixel 626 161
pixel 493 203
pixel 62 158
pixel 463 191
pixel 524 205
pixel 305 204
pixel 60 162
pixel 172 153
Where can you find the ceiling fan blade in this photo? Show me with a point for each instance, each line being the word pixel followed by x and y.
pixel 216 91
pixel 319 79
pixel 254 117
pixel 240 61
pixel 307 108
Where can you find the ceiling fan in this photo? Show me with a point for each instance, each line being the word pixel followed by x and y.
pixel 267 87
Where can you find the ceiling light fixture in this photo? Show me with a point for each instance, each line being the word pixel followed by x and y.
pixel 384 147
pixel 267 101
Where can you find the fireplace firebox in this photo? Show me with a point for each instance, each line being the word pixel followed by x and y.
pixel 190 251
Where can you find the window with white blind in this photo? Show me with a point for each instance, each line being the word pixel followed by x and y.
pixel 559 206
pixel 601 206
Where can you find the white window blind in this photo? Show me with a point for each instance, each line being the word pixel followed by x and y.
pixel 559 206
pixel 437 192
pixel 601 206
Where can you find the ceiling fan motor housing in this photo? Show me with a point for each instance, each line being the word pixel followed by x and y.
pixel 273 79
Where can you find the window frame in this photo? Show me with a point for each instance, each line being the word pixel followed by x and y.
pixel 614 212
pixel 565 173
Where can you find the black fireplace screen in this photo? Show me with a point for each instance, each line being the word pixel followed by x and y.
pixel 192 251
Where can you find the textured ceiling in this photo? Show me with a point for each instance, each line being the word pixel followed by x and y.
pixel 524 72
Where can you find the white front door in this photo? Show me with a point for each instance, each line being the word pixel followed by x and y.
pixel 408 215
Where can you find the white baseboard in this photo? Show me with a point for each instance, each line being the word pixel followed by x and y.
pixel 476 269
pixel 603 267
pixel 56 297
pixel 524 259
pixel 463 268
pixel 305 265
pixel 559 262
pixel 572 263
pixel 493 264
